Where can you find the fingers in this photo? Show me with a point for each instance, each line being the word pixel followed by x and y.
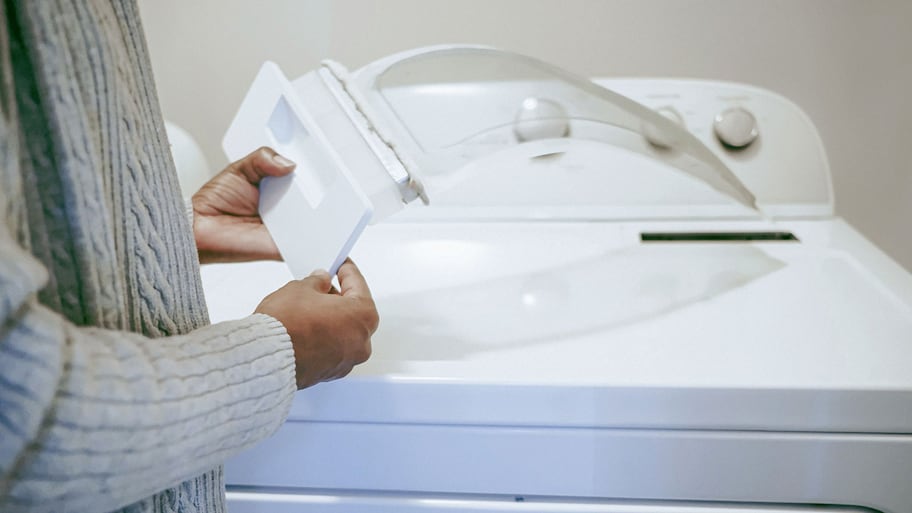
pixel 351 281
pixel 353 286
pixel 330 333
pixel 261 163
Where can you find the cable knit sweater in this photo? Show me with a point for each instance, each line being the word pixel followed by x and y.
pixel 114 390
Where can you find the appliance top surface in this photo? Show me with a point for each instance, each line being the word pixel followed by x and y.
pixel 482 323
pixel 524 294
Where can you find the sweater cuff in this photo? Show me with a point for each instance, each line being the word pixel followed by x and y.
pixel 274 334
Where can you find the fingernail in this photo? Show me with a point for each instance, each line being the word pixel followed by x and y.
pixel 319 272
pixel 282 161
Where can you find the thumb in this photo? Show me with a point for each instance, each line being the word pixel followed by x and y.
pixel 261 163
pixel 319 280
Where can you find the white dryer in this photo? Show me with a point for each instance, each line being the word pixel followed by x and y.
pixel 597 331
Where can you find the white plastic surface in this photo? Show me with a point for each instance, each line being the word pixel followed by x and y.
pixel 252 502
pixel 316 214
pixel 485 324
pixel 535 347
pixel 572 464
pixel 371 162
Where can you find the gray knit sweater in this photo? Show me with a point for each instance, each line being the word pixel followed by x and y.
pixel 114 390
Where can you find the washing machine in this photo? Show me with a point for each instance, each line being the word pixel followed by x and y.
pixel 622 296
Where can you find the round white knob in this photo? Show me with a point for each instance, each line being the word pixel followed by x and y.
pixel 736 127
pixel 540 118
pixel 664 138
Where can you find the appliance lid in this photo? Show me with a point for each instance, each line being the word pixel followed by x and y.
pixel 443 108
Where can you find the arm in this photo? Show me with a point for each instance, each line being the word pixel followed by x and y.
pixel 93 419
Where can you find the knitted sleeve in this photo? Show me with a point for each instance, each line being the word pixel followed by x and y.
pixel 92 419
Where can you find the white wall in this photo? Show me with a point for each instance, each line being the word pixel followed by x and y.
pixel 847 63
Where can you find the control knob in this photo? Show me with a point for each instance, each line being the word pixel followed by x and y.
pixel 662 138
pixel 736 128
pixel 541 118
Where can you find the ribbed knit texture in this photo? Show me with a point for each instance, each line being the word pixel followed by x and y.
pixel 114 391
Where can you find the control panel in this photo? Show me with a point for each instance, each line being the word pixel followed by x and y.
pixel 765 139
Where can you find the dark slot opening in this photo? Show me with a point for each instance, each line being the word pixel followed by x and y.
pixel 717 236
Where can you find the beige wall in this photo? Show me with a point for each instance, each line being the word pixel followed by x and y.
pixel 847 63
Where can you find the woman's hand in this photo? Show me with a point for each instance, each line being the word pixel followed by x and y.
pixel 330 330
pixel 226 223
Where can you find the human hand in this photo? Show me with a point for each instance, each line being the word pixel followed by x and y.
pixel 226 222
pixel 330 330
